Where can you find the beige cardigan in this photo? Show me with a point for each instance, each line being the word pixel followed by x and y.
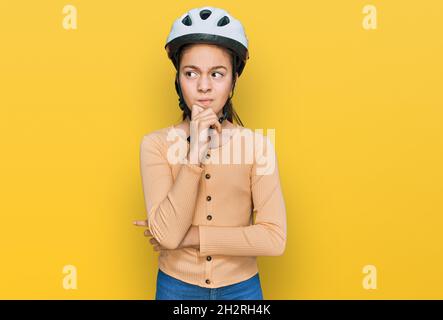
pixel 218 197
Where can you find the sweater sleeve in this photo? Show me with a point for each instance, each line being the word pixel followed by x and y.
pixel 267 236
pixel 169 204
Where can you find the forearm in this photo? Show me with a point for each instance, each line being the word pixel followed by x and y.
pixel 263 239
pixel 192 238
pixel 170 219
pixel 170 201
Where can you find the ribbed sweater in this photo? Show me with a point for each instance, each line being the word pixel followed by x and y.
pixel 238 206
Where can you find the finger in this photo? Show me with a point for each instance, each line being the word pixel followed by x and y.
pixel 195 110
pixel 203 114
pixel 147 233
pixel 208 117
pixel 153 241
pixel 206 123
pixel 215 130
pixel 217 126
pixel 205 111
pixel 141 223
pixel 212 117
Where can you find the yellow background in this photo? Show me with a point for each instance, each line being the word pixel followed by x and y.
pixel 358 118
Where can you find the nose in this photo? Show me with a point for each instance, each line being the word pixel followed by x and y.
pixel 204 84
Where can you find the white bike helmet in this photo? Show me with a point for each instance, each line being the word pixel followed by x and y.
pixel 207 25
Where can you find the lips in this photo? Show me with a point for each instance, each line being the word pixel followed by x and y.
pixel 205 102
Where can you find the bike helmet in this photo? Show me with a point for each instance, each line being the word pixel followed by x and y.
pixel 212 26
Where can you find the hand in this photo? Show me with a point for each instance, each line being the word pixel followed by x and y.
pixel 191 238
pixel 202 120
pixel 200 113
pixel 147 233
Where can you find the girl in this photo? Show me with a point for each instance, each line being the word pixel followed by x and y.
pixel 200 211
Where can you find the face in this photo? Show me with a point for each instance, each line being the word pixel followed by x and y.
pixel 206 73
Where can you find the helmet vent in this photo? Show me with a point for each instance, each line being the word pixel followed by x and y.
pixel 223 21
pixel 187 20
pixel 204 14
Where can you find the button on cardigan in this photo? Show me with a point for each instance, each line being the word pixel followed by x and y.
pixel 221 197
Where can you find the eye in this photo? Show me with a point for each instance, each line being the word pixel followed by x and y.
pixel 188 72
pixel 221 74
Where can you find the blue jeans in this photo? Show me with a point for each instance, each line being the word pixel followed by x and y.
pixel 170 288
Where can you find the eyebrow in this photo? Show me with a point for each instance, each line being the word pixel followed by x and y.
pixel 195 67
